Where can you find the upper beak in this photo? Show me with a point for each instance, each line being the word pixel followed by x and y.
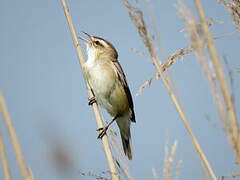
pixel 85 40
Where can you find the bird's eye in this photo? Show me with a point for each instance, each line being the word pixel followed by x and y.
pixel 97 42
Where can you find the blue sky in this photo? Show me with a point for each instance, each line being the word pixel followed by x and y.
pixel 42 83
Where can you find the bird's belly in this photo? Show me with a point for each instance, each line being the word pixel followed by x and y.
pixel 107 90
pixel 102 81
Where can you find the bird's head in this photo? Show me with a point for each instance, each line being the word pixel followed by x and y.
pixel 99 48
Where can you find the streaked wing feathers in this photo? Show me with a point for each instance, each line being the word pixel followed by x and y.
pixel 122 79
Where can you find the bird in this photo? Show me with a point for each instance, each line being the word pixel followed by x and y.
pixel 108 83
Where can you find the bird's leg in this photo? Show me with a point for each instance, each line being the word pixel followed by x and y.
pixel 103 130
pixel 91 100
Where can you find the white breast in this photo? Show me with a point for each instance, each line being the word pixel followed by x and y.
pixel 91 57
pixel 102 80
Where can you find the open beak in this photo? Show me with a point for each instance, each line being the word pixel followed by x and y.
pixel 85 40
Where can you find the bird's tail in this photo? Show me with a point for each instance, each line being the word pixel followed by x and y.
pixel 124 126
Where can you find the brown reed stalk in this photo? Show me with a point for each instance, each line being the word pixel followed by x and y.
pixel 136 16
pixel 14 139
pixel 97 113
pixel 222 81
pixel 3 156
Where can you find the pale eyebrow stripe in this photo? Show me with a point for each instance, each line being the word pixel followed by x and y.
pixel 103 43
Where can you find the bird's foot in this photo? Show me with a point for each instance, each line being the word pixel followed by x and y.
pixel 102 132
pixel 91 101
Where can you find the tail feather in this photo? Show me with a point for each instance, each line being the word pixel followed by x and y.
pixel 127 145
pixel 124 126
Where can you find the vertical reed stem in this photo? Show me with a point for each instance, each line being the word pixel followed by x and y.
pixel 14 139
pixel 222 80
pixel 136 16
pixel 97 113
pixel 4 160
